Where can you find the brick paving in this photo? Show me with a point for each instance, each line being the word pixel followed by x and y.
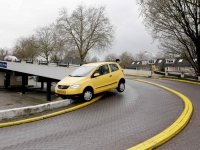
pixel 117 121
pixel 189 137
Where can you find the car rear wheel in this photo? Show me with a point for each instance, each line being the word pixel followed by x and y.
pixel 121 86
pixel 87 94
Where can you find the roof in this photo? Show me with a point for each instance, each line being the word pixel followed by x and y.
pixel 136 63
pixel 182 62
pixel 160 61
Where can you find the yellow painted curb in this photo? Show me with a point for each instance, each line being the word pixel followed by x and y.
pixel 172 130
pixel 192 82
pixel 138 75
pixel 50 115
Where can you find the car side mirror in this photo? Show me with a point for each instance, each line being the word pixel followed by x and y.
pixel 96 74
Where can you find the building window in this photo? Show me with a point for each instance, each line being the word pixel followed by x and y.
pixel 159 61
pixel 152 61
pixel 113 67
pixel 170 61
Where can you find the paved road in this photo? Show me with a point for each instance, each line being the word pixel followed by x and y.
pixel 34 95
pixel 189 138
pixel 117 121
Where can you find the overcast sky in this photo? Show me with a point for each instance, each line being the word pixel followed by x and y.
pixel 19 18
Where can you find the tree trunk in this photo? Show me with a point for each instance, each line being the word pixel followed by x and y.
pixel 198 55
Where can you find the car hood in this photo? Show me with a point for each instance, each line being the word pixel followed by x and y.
pixel 71 80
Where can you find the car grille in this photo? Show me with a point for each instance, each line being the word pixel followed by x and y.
pixel 63 86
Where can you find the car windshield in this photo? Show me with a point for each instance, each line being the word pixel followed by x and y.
pixel 82 71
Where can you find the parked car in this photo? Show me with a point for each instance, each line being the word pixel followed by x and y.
pixel 11 58
pixel 90 79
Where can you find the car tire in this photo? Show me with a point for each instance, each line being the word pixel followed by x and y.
pixel 121 86
pixel 87 94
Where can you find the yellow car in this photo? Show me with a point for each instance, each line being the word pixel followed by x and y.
pixel 90 79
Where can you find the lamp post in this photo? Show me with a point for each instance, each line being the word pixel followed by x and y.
pixel 150 65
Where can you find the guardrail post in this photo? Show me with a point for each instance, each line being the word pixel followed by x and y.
pixel 166 73
pixel 182 75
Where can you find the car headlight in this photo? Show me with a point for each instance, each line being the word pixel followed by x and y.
pixel 75 86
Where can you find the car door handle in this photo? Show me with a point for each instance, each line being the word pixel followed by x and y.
pixel 110 75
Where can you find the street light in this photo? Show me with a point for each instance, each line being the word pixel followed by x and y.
pixel 150 65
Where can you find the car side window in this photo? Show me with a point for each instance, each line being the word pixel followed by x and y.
pixel 113 67
pixel 105 69
pixel 102 70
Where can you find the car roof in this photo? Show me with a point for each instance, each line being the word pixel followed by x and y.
pixel 98 63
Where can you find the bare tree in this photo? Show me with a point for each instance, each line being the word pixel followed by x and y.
pixel 46 41
pixel 161 54
pixel 141 56
pixel 3 53
pixel 126 59
pixel 23 49
pixel 111 57
pixel 60 51
pixel 94 59
pixel 86 29
pixel 176 24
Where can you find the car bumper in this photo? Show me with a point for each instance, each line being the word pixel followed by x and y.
pixel 68 96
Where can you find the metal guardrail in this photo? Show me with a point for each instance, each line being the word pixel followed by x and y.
pixel 174 75
pixel 159 72
pixel 178 75
pixel 190 77
pixel 29 61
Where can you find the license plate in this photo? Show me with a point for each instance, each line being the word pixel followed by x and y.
pixel 61 92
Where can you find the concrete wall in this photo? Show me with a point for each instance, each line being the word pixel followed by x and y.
pixel 137 72
pixel 14 80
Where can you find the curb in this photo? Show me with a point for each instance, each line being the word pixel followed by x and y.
pixel 187 81
pixel 50 115
pixel 137 75
pixel 172 130
pixel 29 110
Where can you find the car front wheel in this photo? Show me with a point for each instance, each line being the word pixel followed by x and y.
pixel 121 86
pixel 87 95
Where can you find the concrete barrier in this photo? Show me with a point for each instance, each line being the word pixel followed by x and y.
pixel 24 111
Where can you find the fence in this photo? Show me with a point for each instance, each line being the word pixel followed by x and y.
pixel 161 74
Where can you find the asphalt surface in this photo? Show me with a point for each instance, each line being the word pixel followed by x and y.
pixel 34 95
pixel 116 121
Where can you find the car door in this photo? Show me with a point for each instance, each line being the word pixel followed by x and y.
pixel 115 75
pixel 102 82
